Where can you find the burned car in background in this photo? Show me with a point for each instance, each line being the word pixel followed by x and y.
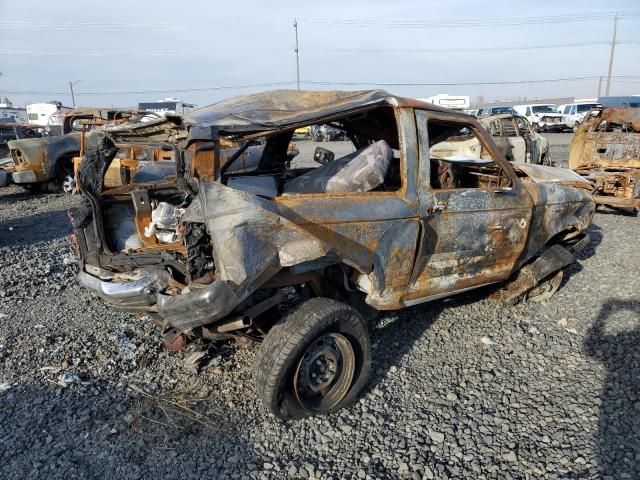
pixel 606 151
pixel 13 131
pixel 288 251
pixel 517 140
pixel 46 164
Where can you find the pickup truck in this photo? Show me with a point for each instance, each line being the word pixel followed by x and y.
pixel 295 253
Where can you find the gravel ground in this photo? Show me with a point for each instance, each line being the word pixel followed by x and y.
pixel 461 388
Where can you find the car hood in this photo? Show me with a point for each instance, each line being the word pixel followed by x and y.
pixel 545 174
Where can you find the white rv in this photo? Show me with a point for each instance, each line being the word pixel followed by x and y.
pixel 49 115
pixel 171 106
pixel 9 113
pixel 454 102
pixel 543 117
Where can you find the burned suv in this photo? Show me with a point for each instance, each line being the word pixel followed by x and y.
pixel 289 246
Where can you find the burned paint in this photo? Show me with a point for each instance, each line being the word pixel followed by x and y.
pixel 397 241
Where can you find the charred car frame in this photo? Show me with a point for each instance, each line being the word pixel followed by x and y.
pixel 606 151
pixel 286 255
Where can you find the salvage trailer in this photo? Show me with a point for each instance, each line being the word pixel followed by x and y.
pixel 294 253
pixel 606 151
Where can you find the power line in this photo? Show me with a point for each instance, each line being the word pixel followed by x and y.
pixel 621 78
pixel 453 84
pixel 460 50
pixel 342 22
pixel 144 92
pixel 327 50
pixel 462 23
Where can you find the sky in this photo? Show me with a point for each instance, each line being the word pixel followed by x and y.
pixel 205 51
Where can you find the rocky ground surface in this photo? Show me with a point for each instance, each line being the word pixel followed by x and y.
pixel 461 388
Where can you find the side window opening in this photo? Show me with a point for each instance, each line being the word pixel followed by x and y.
pixel 494 128
pixel 509 128
pixel 522 126
pixel 358 153
pixel 459 159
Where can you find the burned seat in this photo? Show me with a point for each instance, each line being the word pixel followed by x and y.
pixel 361 171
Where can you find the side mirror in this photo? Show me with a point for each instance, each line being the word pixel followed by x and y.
pixel 323 156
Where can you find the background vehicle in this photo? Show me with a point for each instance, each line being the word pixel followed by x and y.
pixel 285 252
pixel 454 102
pixel 606 151
pixel 543 118
pixel 49 115
pixel 517 141
pixel 47 164
pixel 489 111
pixel 573 113
pixel 167 106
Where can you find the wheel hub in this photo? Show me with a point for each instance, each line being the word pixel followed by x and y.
pixel 325 372
pixel 68 184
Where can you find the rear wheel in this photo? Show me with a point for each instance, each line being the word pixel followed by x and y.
pixel 65 179
pixel 314 361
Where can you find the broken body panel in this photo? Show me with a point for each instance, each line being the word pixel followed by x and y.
pixel 401 241
pixel 606 151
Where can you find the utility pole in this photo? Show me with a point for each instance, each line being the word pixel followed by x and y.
pixel 599 86
pixel 295 27
pixel 613 49
pixel 73 98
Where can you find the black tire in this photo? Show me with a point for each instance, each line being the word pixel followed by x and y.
pixel 64 175
pixel 286 352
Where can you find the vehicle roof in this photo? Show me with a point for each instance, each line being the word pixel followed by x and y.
pixel 500 116
pixel 282 108
pixel 534 104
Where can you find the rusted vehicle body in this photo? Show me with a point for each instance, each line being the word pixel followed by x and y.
pixel 517 140
pixel 606 151
pixel 12 131
pixel 289 255
pixel 47 163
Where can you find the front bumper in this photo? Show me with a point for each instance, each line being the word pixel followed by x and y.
pixel 183 311
pixel 24 176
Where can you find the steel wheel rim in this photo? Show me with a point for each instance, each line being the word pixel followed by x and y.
pixel 68 184
pixel 324 373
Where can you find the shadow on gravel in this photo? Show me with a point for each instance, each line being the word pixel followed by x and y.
pixel 35 228
pixel 396 338
pixel 595 239
pixel 16 197
pixel 80 432
pixel 617 346
pixel 624 212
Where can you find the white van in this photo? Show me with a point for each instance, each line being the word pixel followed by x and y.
pixel 573 113
pixel 543 118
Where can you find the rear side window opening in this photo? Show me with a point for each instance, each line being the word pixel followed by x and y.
pixel 357 153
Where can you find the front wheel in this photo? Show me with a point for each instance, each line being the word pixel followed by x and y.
pixel 315 361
